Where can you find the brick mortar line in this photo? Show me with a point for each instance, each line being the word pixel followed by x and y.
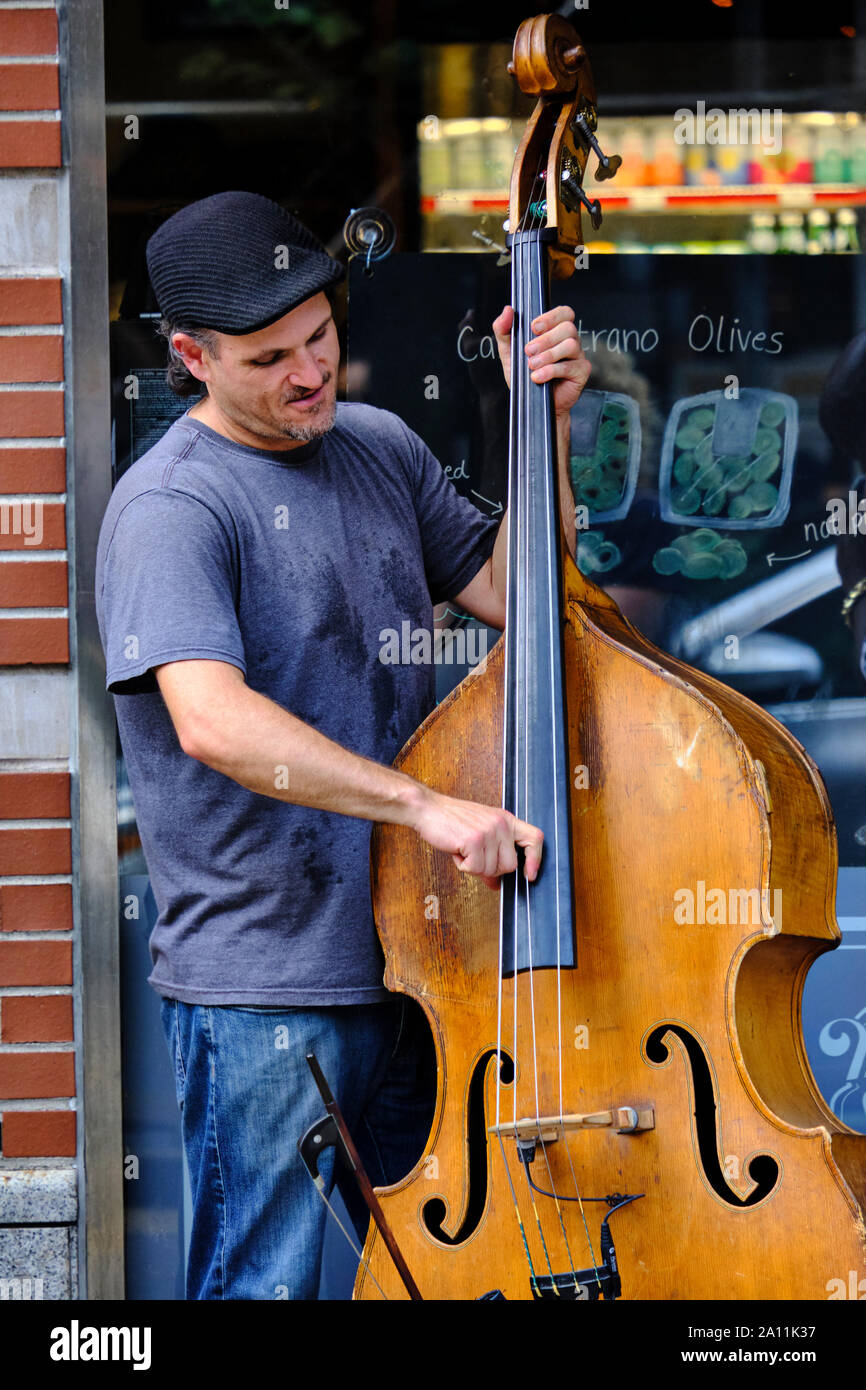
pixel 31 330
pixel 35 992
pixel 34 765
pixel 61 1103
pixel 35 822
pixel 61 934
pixel 33 1225
pixel 27 880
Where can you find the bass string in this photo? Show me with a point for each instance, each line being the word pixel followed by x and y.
pixel 515 678
pixel 536 253
pixel 527 605
pixel 551 485
pixel 511 685
pixel 519 497
pixel 514 513
pixel 533 277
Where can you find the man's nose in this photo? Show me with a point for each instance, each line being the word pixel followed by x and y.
pixel 306 372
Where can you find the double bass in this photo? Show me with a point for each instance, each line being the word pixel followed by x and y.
pixel 625 1106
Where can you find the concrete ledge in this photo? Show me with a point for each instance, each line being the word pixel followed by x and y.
pixel 34 712
pixel 28 223
pixel 38 1262
pixel 30 1196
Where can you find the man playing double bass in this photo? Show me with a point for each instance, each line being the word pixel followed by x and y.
pixel 247 564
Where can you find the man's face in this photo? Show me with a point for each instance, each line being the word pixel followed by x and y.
pixel 279 383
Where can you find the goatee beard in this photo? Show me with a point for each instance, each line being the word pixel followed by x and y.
pixel 305 434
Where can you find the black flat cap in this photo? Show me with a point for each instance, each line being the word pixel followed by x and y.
pixel 235 262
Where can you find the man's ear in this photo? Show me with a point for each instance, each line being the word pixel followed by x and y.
pixel 191 354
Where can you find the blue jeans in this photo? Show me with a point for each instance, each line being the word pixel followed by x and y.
pixel 246 1096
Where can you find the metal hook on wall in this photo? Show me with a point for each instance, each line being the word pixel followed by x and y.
pixel 369 232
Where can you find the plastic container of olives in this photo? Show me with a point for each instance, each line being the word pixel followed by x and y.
pixel 605 453
pixel 727 464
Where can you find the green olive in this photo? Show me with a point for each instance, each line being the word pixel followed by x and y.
pixel 607 556
pixel 684 468
pixel 762 496
pixel 765 465
pixel 773 413
pixel 740 507
pixel 704 451
pixel 703 417
pixel 702 538
pixel 764 440
pixel 739 478
pixel 688 436
pixel 591 540
pixel 607 498
pixel 685 500
pixel 616 449
pixel 702 565
pixel 708 478
pixel 714 501
pixel 733 558
pixel 668 560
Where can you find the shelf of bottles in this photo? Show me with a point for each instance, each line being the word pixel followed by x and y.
pixel 795 187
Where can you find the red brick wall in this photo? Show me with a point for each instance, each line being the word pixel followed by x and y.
pixel 36 1017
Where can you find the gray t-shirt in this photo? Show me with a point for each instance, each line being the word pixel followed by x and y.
pixel 289 565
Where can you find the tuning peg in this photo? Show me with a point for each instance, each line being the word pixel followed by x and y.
pixel 593 207
pixel 607 164
pixel 573 195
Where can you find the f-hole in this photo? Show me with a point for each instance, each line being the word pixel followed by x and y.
pixel 762 1169
pixel 476 1132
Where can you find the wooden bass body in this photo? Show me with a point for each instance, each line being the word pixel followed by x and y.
pixel 683 1005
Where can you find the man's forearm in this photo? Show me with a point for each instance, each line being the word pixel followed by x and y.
pixel 265 748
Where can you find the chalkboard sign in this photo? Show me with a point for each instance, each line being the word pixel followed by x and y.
pixel 143 405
